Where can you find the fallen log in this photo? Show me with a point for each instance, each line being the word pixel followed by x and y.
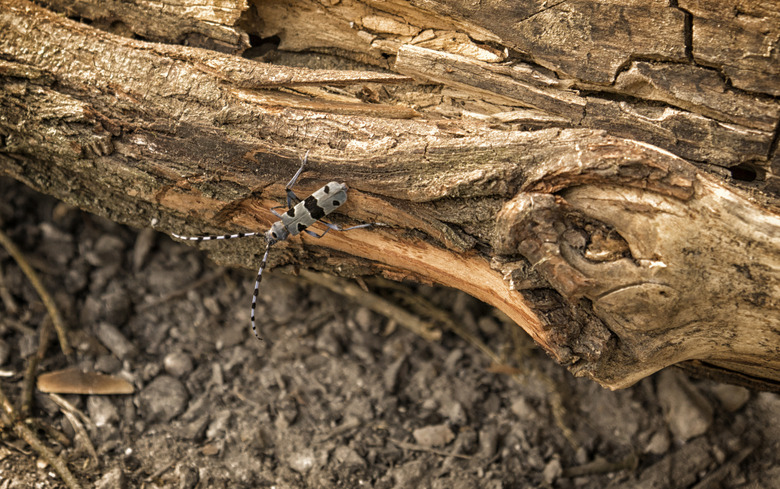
pixel 622 211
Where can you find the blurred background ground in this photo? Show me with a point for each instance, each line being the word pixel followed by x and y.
pixel 342 397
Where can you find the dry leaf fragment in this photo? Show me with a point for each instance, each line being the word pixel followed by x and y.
pixel 75 381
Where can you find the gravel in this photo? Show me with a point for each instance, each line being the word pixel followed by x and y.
pixel 342 398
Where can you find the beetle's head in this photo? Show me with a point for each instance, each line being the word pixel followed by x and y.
pixel 277 233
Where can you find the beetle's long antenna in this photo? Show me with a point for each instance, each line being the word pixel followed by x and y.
pixel 257 288
pixel 207 238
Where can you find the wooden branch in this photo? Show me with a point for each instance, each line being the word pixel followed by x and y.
pixel 674 264
pixel 552 190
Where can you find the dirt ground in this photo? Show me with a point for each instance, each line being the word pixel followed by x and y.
pixel 342 397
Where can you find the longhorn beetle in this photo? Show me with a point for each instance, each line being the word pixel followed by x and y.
pixel 296 219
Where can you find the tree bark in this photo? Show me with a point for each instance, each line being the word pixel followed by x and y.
pixel 605 174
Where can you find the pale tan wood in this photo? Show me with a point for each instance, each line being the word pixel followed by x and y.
pixel 676 265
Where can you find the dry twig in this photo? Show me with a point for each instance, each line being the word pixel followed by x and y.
pixel 10 418
pixel 420 448
pixel 602 466
pixel 714 479
pixel 426 307
pixel 6 297
pixel 30 373
pixel 47 299
pixel 75 417
pixel 421 328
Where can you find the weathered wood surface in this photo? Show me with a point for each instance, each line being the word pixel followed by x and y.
pixel 574 165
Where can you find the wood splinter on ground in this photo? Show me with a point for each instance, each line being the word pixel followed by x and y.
pixel 623 211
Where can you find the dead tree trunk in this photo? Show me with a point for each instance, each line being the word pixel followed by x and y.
pixel 606 175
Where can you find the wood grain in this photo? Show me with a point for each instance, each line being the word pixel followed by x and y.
pixel 623 211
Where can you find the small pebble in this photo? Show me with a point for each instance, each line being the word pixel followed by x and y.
pixel 102 411
pixel 210 450
pixel 465 441
pixel 115 304
pixel 433 436
pixel 429 405
pixel 534 460
pixel 114 340
pixel 212 305
pixel 327 342
pixel 455 413
pixel 491 405
pixel 365 318
pixel 28 345
pixel 731 397
pixel 768 403
pixel 488 442
pixel 233 334
pixel 357 410
pixel 108 251
pixel 160 279
pixel 163 399
pixel 285 302
pixel 188 476
pixel 178 363
pixel 494 484
pixel 302 461
pixel 659 443
pixel 219 426
pixel 409 474
pixel 552 470
pixel 113 479
pixel 523 410
pixel 687 412
pixel 719 454
pixel 91 310
pixel 142 246
pixel 150 371
pixel 348 456
pixel 77 276
pixel 451 362
pixel 581 456
pixel 195 430
pixel 108 364
pixel 56 245
pixel 488 326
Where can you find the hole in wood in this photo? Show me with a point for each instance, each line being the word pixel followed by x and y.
pixel 261 46
pixel 744 172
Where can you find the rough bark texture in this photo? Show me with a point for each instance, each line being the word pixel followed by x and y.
pixel 607 174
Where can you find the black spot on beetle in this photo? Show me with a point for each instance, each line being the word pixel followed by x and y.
pixel 291 212
pixel 301 227
pixel 314 208
pixel 326 189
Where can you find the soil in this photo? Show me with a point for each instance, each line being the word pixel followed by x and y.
pixel 339 396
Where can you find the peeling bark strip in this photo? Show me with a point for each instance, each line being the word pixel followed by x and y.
pixel 209 24
pixel 589 201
